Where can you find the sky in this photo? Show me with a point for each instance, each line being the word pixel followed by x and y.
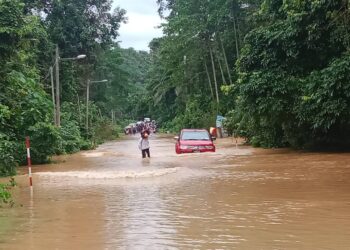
pixel 142 22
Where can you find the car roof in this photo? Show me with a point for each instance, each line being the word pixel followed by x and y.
pixel 193 129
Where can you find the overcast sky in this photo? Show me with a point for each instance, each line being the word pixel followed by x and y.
pixel 142 22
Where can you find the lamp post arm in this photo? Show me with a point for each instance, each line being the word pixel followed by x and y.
pixel 73 58
pixel 68 59
pixel 98 81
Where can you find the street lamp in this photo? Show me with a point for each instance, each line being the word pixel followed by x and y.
pixel 87 100
pixel 73 58
pixel 57 60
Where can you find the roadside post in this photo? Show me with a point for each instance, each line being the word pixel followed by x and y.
pixel 29 162
pixel 219 125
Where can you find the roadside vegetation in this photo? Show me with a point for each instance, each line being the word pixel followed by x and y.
pixel 277 70
pixel 29 33
pixel 5 193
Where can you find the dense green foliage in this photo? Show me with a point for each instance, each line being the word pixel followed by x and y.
pixel 29 33
pixel 23 102
pixel 195 60
pixel 293 75
pixel 278 70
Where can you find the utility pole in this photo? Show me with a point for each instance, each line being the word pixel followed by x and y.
pixel 87 105
pixel 58 109
pixel 53 96
pixel 57 67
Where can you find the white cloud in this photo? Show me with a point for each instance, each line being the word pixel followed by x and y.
pixel 143 21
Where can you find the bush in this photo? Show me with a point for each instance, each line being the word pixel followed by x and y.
pixel 324 108
pixel 233 124
pixel 5 192
pixel 86 145
pixel 45 139
pixel 71 140
pixel 106 131
pixel 7 156
pixel 72 131
pixel 194 116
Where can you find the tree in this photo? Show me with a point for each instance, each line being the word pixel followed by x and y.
pixel 28 32
pixel 197 54
pixel 283 71
pixel 23 102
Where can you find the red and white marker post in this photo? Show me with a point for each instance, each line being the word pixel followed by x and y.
pixel 29 162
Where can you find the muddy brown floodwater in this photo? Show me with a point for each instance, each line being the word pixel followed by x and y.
pixel 236 198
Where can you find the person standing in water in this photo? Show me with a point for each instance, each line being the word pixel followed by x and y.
pixel 144 144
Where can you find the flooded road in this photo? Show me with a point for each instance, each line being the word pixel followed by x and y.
pixel 236 198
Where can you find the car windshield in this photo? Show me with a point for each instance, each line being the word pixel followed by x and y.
pixel 195 135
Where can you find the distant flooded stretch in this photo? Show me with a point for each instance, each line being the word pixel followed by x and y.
pixel 236 198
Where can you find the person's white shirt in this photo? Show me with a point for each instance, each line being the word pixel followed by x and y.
pixel 143 143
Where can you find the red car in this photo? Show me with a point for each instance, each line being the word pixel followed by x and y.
pixel 194 141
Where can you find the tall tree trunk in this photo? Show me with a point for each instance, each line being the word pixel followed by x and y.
pixel 238 33
pixel 209 80
pixel 236 36
pixel 221 71
pixel 225 60
pixel 53 96
pixel 187 81
pixel 79 111
pixel 214 75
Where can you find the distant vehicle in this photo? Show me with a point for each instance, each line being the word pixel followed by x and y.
pixel 194 141
pixel 127 130
pixel 130 129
